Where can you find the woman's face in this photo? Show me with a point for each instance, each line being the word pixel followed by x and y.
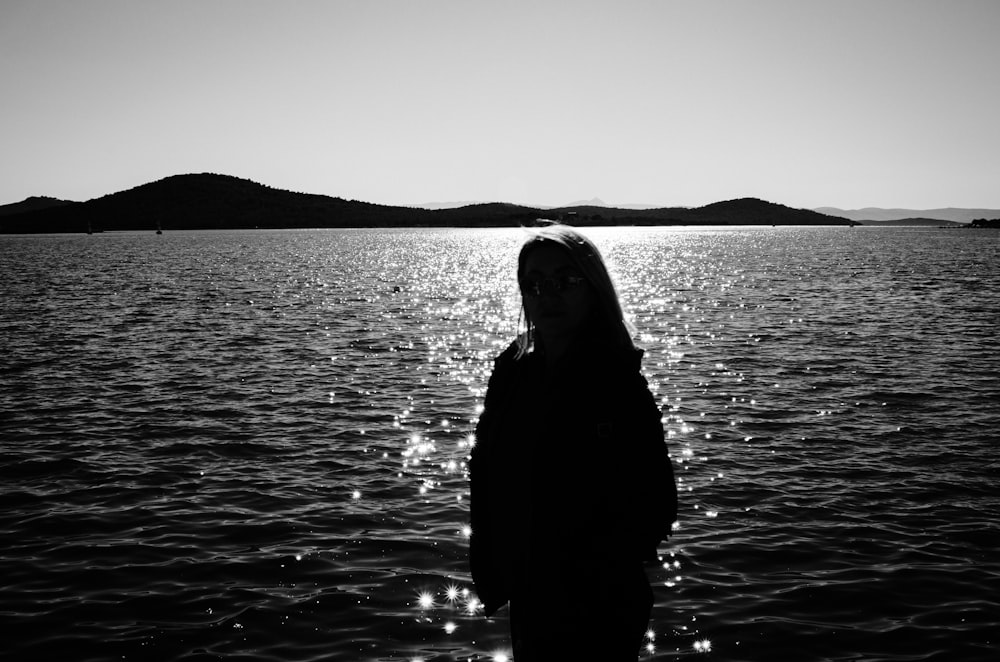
pixel 557 297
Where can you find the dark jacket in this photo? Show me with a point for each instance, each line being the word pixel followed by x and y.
pixel 570 468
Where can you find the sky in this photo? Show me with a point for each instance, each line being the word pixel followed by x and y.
pixel 807 103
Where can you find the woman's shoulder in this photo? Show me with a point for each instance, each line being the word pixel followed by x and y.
pixel 505 365
pixel 509 354
pixel 515 350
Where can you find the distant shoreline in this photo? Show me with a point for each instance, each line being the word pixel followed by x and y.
pixel 222 202
pixel 863 226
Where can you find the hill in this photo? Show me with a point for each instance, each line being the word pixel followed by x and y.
pixel 751 211
pixel 205 201
pixel 955 214
pixel 33 203
pixel 923 222
pixel 742 211
pixel 211 201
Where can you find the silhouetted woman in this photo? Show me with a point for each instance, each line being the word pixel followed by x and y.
pixel 572 488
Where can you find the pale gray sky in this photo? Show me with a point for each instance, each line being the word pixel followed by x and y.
pixel 846 103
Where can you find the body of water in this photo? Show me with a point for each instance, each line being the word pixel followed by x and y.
pixel 251 445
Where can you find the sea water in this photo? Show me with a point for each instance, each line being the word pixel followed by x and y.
pixel 252 445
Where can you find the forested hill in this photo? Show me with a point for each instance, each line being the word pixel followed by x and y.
pixel 210 201
pixel 33 203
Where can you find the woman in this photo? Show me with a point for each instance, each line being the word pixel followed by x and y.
pixel 572 487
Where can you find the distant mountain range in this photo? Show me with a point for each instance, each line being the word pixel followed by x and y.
pixel 593 202
pixel 865 216
pixel 212 201
pixel 880 215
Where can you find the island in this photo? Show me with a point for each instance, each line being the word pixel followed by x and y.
pixel 222 202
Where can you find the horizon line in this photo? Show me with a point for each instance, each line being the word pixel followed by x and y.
pixel 454 204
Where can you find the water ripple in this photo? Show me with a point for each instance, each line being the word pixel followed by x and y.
pixel 252 445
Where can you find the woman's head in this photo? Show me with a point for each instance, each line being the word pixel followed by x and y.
pixel 566 289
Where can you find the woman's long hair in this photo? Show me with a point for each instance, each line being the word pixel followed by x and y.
pixel 611 319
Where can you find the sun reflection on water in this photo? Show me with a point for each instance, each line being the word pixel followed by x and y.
pixel 425 600
pixel 677 306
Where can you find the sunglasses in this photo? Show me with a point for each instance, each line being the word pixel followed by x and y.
pixel 536 287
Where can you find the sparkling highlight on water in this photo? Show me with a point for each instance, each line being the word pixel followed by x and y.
pixel 425 600
pixel 331 422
